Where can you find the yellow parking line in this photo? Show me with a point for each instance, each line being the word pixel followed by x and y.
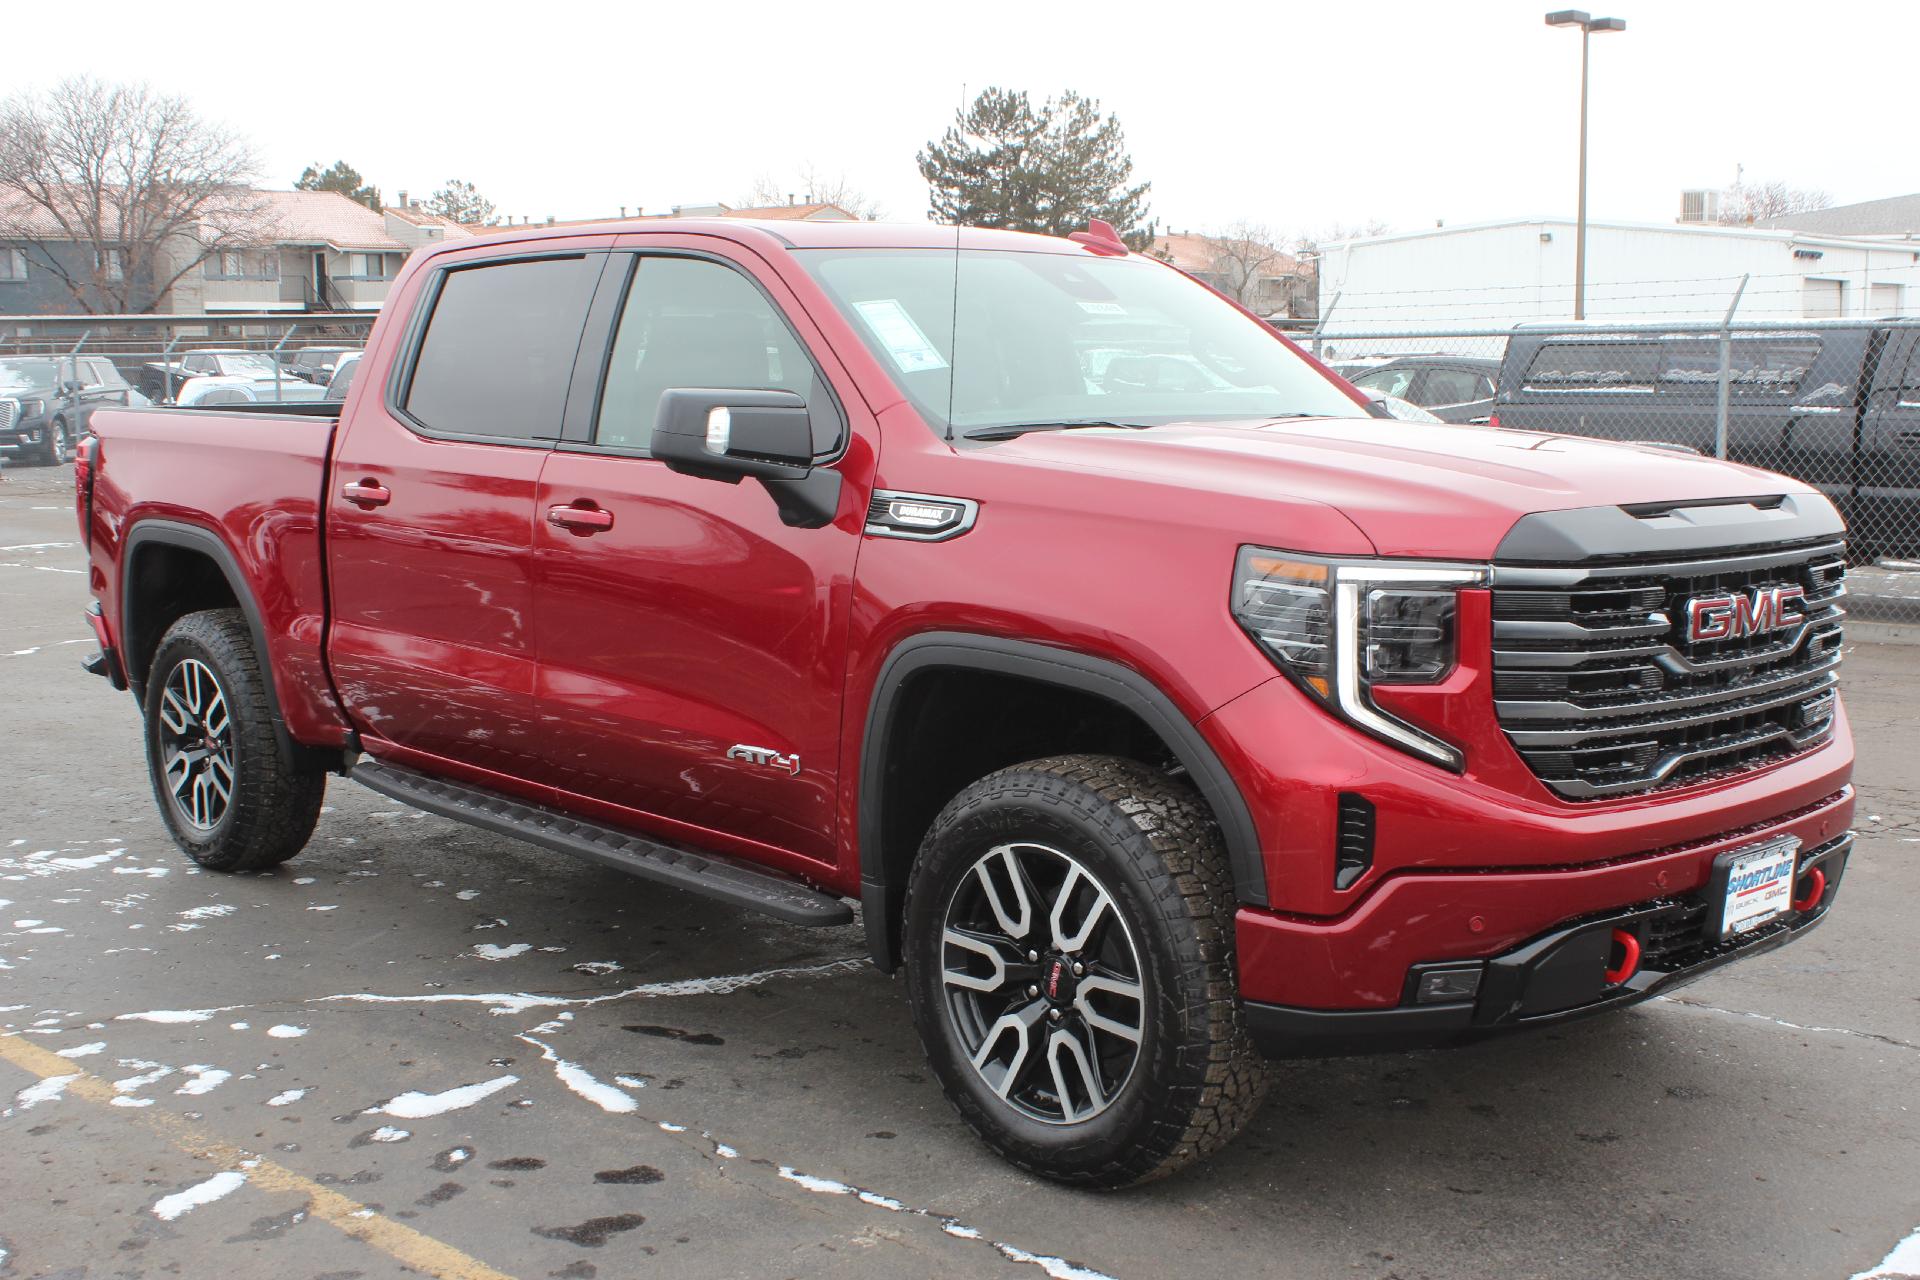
pixel 421 1252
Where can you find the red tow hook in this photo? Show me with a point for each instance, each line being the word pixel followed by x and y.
pixel 1816 882
pixel 1629 958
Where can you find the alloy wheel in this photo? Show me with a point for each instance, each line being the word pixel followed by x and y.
pixel 196 744
pixel 1043 983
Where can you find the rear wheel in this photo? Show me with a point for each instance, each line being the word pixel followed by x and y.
pixel 1069 929
pixel 229 790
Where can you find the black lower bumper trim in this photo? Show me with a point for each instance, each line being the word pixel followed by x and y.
pixel 1527 986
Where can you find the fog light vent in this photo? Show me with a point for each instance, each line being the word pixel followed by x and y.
pixel 1353 842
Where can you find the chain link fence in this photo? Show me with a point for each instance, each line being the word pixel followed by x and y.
pixel 1834 403
pixel 56 370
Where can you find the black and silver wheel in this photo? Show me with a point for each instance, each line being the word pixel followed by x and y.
pixel 58 450
pixel 195 741
pixel 1069 938
pixel 229 789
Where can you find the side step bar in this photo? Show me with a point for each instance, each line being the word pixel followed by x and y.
pixel 765 891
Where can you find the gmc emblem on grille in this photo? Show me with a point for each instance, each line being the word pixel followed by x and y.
pixel 1733 615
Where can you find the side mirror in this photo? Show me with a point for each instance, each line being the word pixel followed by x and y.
pixel 731 435
pixel 72 386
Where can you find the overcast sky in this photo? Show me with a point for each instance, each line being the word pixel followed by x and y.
pixel 1296 116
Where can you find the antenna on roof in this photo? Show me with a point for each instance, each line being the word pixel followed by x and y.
pixel 1101 238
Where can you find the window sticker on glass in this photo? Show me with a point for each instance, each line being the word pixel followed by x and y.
pixel 904 340
pixel 1103 308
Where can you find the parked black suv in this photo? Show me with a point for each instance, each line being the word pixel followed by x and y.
pixel 316 364
pixel 1451 388
pixel 45 402
pixel 1836 407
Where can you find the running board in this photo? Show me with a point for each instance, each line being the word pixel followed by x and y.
pixel 767 892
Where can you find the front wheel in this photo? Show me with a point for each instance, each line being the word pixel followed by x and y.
pixel 230 792
pixel 1069 935
pixel 58 450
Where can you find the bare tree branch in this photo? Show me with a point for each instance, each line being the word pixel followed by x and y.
pixel 138 187
pixel 1745 203
pixel 812 186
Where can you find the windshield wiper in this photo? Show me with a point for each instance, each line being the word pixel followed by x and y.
pixel 1008 430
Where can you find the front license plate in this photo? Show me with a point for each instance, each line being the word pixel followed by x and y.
pixel 1758 885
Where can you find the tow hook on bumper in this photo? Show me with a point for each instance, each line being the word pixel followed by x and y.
pixel 1582 967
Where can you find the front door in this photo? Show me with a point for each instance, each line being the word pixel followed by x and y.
pixel 430 515
pixel 691 646
pixel 1885 518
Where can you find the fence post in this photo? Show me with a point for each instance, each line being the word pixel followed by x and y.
pixel 73 366
pixel 278 394
pixel 1726 370
pixel 1320 323
pixel 166 369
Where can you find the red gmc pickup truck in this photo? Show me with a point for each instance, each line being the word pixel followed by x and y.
pixel 1164 710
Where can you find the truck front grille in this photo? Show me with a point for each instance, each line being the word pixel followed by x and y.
pixel 9 409
pixel 1602 693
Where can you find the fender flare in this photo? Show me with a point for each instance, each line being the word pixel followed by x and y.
pixel 882 893
pixel 192 537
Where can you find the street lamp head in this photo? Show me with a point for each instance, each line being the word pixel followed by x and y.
pixel 1569 18
pixel 1607 24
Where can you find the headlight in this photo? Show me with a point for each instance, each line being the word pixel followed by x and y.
pixel 1340 627
pixel 32 408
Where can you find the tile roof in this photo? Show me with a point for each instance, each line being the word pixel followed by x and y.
pixel 287 217
pixel 1197 253
pixel 420 217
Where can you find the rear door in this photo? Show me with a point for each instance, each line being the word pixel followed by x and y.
pixel 430 510
pixel 692 647
pixel 1886 512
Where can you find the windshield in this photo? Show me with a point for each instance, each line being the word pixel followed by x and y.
pixel 1038 338
pixel 245 364
pixel 26 375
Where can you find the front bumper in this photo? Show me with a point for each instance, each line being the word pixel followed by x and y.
pixel 1556 977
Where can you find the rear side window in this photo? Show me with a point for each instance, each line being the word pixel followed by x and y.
pixel 1388 382
pixel 693 323
pixel 499 347
pixel 1453 386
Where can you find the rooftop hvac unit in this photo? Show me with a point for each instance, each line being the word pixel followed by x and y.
pixel 1699 206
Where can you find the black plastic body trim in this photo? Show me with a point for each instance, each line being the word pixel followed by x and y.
pixel 715 877
pixel 191 537
pixel 1678 531
pixel 1512 982
pixel 882 892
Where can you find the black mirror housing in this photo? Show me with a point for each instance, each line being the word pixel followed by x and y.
pixel 733 434
pixel 728 434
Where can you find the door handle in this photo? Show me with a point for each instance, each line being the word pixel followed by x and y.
pixel 367 493
pixel 580 521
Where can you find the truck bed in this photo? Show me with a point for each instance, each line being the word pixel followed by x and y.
pixel 245 488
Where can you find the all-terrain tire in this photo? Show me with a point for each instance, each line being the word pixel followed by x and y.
pixel 205 663
pixel 1152 847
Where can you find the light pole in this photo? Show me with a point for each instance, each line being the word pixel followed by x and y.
pixel 1588 25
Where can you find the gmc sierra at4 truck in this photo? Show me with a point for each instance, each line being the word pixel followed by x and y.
pixel 1165 712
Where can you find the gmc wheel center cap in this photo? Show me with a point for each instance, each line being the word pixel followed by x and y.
pixel 1057 981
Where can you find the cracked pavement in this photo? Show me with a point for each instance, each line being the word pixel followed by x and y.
pixel 452 1054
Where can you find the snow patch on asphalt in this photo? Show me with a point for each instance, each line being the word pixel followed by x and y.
pixel 414 1105
pixel 205 1079
pixel 1903 1261
pixel 490 951
pixel 48 1090
pixel 83 1050
pixel 220 1185
pixel 584 1082
pixel 173 1015
pixel 285 1032
pixel 521 1001
pixel 387 1133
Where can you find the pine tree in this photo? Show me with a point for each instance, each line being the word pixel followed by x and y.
pixel 342 177
pixel 1005 164
pixel 463 203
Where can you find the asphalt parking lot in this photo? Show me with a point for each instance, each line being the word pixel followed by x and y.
pixel 422 1049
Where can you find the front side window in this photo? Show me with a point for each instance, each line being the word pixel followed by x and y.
pixel 1388 382
pixel 689 322
pixel 983 339
pixel 499 347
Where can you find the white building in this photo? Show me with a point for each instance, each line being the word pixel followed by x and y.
pixel 1495 274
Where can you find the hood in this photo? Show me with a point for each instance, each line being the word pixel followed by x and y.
pixel 1414 489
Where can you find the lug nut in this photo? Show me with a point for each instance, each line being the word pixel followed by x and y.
pixel 1079 970
pixel 1054 1014
pixel 1033 957
pixel 1032 991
